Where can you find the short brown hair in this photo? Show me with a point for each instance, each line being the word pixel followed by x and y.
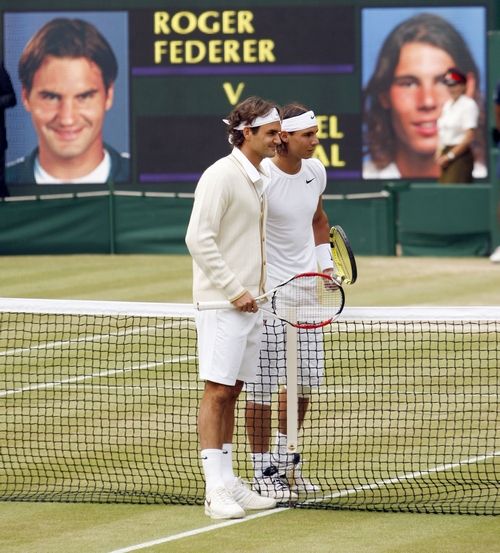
pixel 247 110
pixel 67 38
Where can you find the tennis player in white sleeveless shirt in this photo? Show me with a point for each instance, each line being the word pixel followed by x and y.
pixel 294 201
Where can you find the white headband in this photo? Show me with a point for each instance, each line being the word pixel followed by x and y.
pixel 270 117
pixel 299 122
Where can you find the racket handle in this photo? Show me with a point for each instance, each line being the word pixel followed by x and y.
pixel 206 305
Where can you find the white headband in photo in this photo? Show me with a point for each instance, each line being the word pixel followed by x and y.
pixel 299 122
pixel 270 117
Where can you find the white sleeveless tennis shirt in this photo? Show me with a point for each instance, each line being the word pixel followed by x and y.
pixel 292 202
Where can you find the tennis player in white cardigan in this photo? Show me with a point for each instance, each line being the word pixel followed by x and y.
pixel 226 239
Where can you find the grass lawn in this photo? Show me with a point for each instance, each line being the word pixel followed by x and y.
pixel 106 528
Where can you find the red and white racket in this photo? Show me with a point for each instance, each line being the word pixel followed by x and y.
pixel 307 300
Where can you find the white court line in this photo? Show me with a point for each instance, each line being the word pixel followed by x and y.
pixel 198 386
pixel 193 386
pixel 198 531
pixel 374 390
pixel 343 493
pixel 91 338
pixel 408 476
pixel 106 373
pixel 76 341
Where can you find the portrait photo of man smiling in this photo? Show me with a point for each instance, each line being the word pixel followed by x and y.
pixel 67 72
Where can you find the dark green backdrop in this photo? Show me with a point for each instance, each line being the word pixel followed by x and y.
pixel 377 215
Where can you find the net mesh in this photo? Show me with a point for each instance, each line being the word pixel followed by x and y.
pixel 99 401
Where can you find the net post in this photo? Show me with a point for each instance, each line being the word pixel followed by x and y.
pixel 291 388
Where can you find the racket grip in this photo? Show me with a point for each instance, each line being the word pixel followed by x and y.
pixel 207 305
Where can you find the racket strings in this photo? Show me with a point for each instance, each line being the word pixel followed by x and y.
pixel 308 300
pixel 342 260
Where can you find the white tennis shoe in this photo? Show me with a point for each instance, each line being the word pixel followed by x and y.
pixel 301 484
pixel 220 504
pixel 272 485
pixel 248 499
pixel 285 462
pixel 495 256
pixel 290 469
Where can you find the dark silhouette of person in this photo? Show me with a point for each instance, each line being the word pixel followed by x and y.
pixel 7 100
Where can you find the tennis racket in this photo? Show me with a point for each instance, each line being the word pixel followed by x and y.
pixel 343 256
pixel 307 300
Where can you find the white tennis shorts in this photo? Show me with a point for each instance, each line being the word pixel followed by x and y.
pixel 228 345
pixel 271 372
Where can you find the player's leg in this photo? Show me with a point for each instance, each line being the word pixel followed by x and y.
pixel 227 431
pixel 266 481
pixel 213 407
pixel 221 346
pixel 249 351
pixel 311 369
pixel 258 423
pixel 215 401
pixel 303 404
pixel 258 395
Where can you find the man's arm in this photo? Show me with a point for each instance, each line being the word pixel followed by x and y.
pixel 203 229
pixel 321 227
pixel 444 160
pixel 321 230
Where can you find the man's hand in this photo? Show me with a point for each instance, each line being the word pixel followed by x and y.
pixel 246 303
pixel 337 281
pixel 443 161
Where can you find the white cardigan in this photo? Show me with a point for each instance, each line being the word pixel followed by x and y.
pixel 226 233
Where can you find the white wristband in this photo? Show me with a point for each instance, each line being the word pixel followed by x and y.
pixel 324 256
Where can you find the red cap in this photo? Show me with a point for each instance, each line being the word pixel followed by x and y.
pixel 454 76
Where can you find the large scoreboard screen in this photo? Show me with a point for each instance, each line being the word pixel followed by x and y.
pixel 183 66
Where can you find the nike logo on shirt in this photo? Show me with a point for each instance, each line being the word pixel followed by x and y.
pixel 310 180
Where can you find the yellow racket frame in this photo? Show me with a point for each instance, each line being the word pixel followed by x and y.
pixel 343 256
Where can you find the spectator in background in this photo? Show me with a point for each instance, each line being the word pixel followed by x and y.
pixel 7 100
pixel 456 130
pixel 67 72
pixel 495 256
pixel 405 95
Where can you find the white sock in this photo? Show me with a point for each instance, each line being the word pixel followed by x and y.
pixel 227 465
pixel 261 461
pixel 211 460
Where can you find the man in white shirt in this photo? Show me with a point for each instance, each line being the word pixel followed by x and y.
pixel 226 238
pixel 297 241
pixel 457 130
pixel 495 254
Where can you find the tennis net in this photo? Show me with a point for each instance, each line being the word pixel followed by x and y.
pixel 99 401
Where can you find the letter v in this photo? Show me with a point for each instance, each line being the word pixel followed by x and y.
pixel 233 95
